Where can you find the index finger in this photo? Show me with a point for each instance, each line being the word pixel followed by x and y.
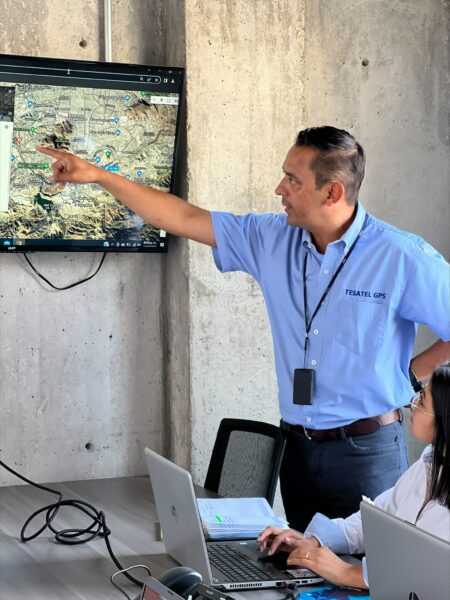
pixel 51 151
pixel 270 530
pixel 285 537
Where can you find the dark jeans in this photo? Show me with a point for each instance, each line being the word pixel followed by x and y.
pixel 330 477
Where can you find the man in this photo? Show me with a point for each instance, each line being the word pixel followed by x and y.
pixel 343 291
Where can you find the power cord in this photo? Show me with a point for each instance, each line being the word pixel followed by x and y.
pixel 66 287
pixel 97 528
pixel 292 594
pixel 124 572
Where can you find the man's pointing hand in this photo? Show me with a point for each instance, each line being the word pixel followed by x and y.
pixel 68 168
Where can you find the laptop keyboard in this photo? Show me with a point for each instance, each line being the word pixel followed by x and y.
pixel 234 565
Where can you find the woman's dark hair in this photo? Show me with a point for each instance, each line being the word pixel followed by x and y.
pixel 439 486
pixel 339 157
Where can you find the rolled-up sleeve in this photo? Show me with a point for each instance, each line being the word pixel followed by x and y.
pixel 236 238
pixel 329 532
pixel 426 297
pixel 344 536
pixel 245 241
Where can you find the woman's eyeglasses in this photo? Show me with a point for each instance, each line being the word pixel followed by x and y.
pixel 417 401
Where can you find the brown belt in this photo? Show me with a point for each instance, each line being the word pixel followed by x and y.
pixel 361 427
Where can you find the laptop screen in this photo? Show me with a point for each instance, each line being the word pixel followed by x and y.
pixel 403 561
pixel 122 118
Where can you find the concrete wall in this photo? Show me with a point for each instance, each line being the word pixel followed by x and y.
pixel 380 69
pixel 245 101
pixel 84 366
pixel 376 68
pixel 257 72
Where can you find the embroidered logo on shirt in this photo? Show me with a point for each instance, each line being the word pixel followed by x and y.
pixel 366 294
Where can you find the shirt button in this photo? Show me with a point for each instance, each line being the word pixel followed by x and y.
pixel 326 271
pixel 316 331
pixel 308 419
pixel 314 362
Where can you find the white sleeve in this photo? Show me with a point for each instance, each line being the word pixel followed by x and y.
pixel 352 525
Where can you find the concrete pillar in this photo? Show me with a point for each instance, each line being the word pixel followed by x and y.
pixel 83 374
pixel 245 88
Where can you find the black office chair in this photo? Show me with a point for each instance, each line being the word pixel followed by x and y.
pixel 246 460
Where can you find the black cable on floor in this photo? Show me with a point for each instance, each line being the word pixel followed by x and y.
pixel 66 287
pixel 97 528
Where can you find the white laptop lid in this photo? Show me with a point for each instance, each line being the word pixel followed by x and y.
pixel 176 505
pixel 183 536
pixel 403 561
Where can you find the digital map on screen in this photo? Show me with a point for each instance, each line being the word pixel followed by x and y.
pixel 131 133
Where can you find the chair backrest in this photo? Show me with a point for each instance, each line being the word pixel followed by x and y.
pixel 246 459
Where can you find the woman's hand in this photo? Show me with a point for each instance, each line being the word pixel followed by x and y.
pixel 68 168
pixel 328 565
pixel 286 540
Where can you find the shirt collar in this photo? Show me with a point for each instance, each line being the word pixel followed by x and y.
pixel 427 455
pixel 349 236
pixel 306 239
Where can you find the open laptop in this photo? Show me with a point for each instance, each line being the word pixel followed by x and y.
pixel 154 590
pixel 230 565
pixel 403 561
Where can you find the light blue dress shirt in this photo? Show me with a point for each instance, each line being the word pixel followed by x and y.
pixel 361 340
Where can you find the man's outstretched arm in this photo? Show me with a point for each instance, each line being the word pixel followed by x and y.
pixel 161 209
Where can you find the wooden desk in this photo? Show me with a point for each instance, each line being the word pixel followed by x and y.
pixel 45 570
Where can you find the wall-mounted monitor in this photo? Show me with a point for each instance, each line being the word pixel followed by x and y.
pixel 123 118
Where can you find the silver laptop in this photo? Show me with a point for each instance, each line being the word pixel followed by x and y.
pixel 230 565
pixel 153 590
pixel 403 561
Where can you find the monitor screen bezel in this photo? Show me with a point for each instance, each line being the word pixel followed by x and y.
pixel 82 73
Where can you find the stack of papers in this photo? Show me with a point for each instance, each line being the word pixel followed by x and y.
pixel 236 518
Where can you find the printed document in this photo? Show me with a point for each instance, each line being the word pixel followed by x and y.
pixel 236 518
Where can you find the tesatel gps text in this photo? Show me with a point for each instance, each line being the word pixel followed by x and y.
pixel 304 379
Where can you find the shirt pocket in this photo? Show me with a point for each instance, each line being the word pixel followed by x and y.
pixel 360 324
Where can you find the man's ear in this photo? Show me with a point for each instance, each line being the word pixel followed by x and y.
pixel 335 192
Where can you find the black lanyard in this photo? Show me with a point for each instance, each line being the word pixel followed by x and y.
pixel 327 289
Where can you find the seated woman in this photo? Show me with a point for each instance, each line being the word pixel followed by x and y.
pixel 421 496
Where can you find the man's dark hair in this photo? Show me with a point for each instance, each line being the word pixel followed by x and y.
pixel 439 483
pixel 339 157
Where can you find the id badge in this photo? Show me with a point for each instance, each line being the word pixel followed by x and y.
pixel 304 386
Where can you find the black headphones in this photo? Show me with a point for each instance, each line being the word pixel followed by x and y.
pixel 181 580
